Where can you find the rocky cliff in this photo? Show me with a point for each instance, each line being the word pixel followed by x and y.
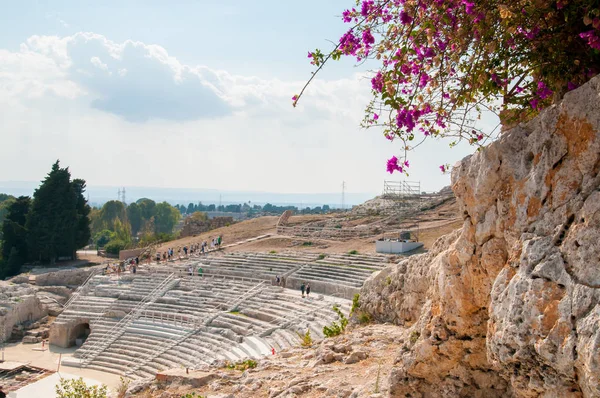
pixel 508 305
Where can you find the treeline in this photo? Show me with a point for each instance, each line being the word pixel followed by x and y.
pixel 250 210
pixel 50 226
pixel 116 226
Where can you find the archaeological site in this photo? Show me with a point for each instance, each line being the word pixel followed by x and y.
pixel 501 299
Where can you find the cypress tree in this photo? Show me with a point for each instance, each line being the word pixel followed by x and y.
pixel 58 222
pixel 14 249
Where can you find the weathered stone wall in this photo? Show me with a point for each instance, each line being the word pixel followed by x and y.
pixel 194 227
pixel 18 304
pixel 508 306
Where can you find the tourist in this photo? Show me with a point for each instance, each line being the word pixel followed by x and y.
pixel 302 289
pixel 133 269
pixel 307 290
pixel 157 257
pixel 277 280
pixel 190 271
pixel 219 239
pixel 137 261
pixel 2 393
pixel 165 256
pixel 283 281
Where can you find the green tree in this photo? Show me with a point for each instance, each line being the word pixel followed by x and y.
pixel 82 232
pixel 13 265
pixel 76 388
pixel 55 223
pixel 199 216
pixel 165 219
pixel 5 202
pixel 14 248
pixel 134 215
pixel 103 237
pixel 148 208
pixel 112 210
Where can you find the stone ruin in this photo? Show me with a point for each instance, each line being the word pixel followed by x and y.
pixel 193 227
pixel 228 309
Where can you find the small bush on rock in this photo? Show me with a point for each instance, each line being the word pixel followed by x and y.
pixel 243 365
pixel 122 387
pixel 414 336
pixel 353 252
pixel 307 340
pixel 336 328
pixel 355 303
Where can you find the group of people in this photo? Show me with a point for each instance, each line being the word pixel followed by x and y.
pixel 304 288
pixel 131 264
pixel 198 247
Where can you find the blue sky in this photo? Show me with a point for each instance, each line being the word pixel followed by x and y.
pixel 190 94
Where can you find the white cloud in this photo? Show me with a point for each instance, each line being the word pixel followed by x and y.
pixel 98 63
pixel 131 114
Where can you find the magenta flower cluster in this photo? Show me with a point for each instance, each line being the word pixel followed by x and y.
pixel 423 86
pixel 394 164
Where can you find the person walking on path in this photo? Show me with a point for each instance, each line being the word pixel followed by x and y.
pixel 307 290
pixel 302 288
pixel 277 280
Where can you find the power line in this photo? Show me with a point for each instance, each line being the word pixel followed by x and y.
pixel 343 195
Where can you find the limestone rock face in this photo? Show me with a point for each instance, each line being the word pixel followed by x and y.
pixel 508 305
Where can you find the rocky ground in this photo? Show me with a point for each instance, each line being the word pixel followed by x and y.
pixel 355 364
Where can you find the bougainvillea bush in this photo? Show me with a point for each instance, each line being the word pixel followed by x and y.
pixel 440 64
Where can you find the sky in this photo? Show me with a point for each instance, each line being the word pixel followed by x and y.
pixel 191 94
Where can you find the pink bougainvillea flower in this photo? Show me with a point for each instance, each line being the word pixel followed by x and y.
pixel 443 168
pixel 392 165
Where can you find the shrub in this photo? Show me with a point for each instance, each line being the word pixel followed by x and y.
pixel 115 246
pixel 122 387
pixel 307 340
pixel 364 317
pixel 243 365
pixel 321 256
pixel 414 336
pixel 308 243
pixel 353 252
pixel 336 328
pixel 192 395
pixel 76 388
pixel 273 252
pixel 355 303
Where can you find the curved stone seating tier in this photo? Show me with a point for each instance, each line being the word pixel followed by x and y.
pixel 231 312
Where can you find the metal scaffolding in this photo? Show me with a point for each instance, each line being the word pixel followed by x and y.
pixel 406 198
